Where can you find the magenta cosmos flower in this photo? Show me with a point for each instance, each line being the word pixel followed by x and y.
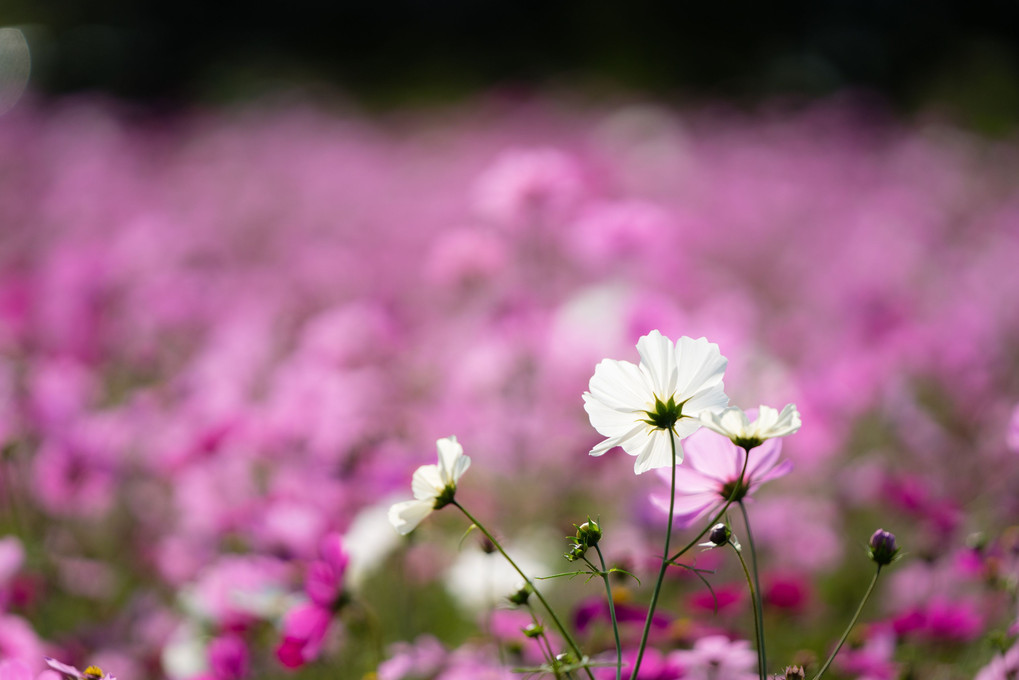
pixel 708 477
pixel 644 408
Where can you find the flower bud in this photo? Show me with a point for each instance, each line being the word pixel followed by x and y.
pixel 795 673
pixel 589 533
pixel 534 630
pixel 565 659
pixel 575 552
pixel 519 598
pixel 720 534
pixel 882 547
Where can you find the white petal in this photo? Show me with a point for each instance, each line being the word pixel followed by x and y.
pixel 686 426
pixel 633 441
pixel 609 421
pixel 621 385
pixel 449 451
pixel 657 453
pixel 658 359
pixel 789 421
pixel 767 418
pixel 712 398
pixel 407 515
pixel 713 421
pixel 700 364
pixel 427 483
pixel 462 463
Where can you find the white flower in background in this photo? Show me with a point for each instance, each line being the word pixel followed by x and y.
pixel 480 580
pixel 368 541
pixel 735 424
pixel 433 486
pixel 641 407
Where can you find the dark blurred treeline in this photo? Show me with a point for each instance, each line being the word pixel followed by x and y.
pixel 962 56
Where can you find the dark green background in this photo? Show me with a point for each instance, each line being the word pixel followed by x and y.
pixel 961 58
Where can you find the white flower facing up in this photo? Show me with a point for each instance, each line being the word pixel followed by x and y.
pixel 433 486
pixel 735 424
pixel 640 408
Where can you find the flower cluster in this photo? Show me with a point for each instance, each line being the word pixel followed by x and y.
pixel 228 339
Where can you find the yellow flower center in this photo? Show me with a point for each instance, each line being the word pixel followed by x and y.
pixel 94 672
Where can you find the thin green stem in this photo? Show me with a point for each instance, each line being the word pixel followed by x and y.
pixel 530 583
pixel 852 623
pixel 721 513
pixel 762 656
pixel 665 564
pixel 546 649
pixel 755 600
pixel 612 614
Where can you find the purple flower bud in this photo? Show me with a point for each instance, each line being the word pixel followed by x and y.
pixel 882 547
pixel 720 534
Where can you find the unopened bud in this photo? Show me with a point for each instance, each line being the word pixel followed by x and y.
pixel 519 598
pixel 882 548
pixel 589 533
pixel 720 534
pixel 565 659
pixel 795 673
pixel 575 552
pixel 534 630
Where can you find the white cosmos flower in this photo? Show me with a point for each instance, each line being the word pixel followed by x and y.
pixel 641 407
pixel 433 486
pixel 735 424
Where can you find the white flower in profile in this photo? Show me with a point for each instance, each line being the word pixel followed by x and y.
pixel 735 424
pixel 433 486
pixel 642 408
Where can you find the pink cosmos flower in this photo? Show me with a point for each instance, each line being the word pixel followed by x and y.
pixel 1002 666
pixel 90 673
pixel 304 632
pixel 523 185
pixel 324 580
pixel 424 657
pixel 14 670
pixel 715 657
pixel 12 556
pixel 713 463
pixel 1012 437
pixel 873 660
pixel 228 657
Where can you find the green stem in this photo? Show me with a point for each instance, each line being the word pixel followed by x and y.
pixel 546 649
pixel 852 623
pixel 755 600
pixel 612 614
pixel 665 564
pixel 534 589
pixel 721 513
pixel 762 656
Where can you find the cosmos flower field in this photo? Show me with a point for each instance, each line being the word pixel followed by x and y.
pixel 229 338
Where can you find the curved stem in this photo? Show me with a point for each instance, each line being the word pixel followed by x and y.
pixel 612 614
pixel 755 600
pixel 762 656
pixel 721 513
pixel 852 623
pixel 534 589
pixel 665 564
